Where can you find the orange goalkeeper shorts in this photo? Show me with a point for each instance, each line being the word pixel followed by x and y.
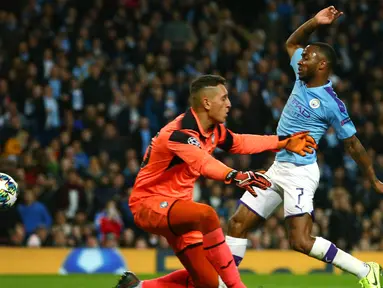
pixel 152 215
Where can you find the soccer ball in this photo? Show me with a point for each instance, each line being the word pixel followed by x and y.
pixel 8 191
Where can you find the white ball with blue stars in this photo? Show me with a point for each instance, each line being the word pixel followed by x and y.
pixel 8 191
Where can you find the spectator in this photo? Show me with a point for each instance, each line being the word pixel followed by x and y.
pixel 109 223
pixel 342 221
pixel 33 213
pixel 6 227
pixel 39 238
pixel 71 196
pixel 17 236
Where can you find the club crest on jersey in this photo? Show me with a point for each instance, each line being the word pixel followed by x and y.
pixel 314 103
pixel 164 204
pixel 194 141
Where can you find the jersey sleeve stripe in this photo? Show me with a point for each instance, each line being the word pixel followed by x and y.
pixel 175 161
pixel 228 142
pixel 339 102
pixel 180 137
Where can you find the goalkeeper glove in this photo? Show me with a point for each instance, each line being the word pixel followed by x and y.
pixel 246 180
pixel 300 143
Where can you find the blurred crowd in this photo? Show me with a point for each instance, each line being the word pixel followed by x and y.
pixel 84 85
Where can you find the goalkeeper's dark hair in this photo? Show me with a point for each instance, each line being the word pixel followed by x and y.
pixel 328 52
pixel 200 83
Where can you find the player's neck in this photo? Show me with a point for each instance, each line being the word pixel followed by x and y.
pixel 317 82
pixel 204 120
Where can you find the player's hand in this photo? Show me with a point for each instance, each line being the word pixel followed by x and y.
pixel 378 186
pixel 246 180
pixel 327 15
pixel 300 143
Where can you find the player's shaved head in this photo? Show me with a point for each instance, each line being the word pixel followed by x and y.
pixel 326 51
pixel 205 85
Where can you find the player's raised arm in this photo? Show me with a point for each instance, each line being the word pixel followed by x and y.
pixel 301 36
pixel 361 157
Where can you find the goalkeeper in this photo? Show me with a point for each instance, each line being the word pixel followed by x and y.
pixel 161 200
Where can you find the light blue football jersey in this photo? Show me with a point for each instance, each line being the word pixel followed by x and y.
pixel 313 109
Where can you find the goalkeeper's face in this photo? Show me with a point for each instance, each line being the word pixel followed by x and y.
pixel 219 104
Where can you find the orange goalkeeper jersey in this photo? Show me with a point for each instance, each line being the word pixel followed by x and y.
pixel 181 152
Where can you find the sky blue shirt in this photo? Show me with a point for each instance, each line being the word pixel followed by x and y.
pixel 313 109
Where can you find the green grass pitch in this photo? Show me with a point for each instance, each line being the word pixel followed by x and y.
pixel 251 281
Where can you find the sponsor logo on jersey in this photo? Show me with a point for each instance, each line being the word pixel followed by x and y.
pixel 302 110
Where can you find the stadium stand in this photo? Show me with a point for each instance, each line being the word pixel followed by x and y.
pixel 84 85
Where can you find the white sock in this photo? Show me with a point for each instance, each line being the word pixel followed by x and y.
pixel 327 252
pixel 237 247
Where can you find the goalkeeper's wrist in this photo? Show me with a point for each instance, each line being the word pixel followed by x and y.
pixel 230 176
pixel 283 138
pixel 282 141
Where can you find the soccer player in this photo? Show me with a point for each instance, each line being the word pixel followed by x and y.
pixel 161 200
pixel 313 105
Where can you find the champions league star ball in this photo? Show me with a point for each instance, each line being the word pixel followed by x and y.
pixel 93 261
pixel 8 191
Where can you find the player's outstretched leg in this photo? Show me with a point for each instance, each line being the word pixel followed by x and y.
pixel 128 280
pixel 202 272
pixel 199 272
pixel 240 224
pixel 299 230
pixel 177 279
pixel 187 216
pixel 372 280
pixel 205 256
